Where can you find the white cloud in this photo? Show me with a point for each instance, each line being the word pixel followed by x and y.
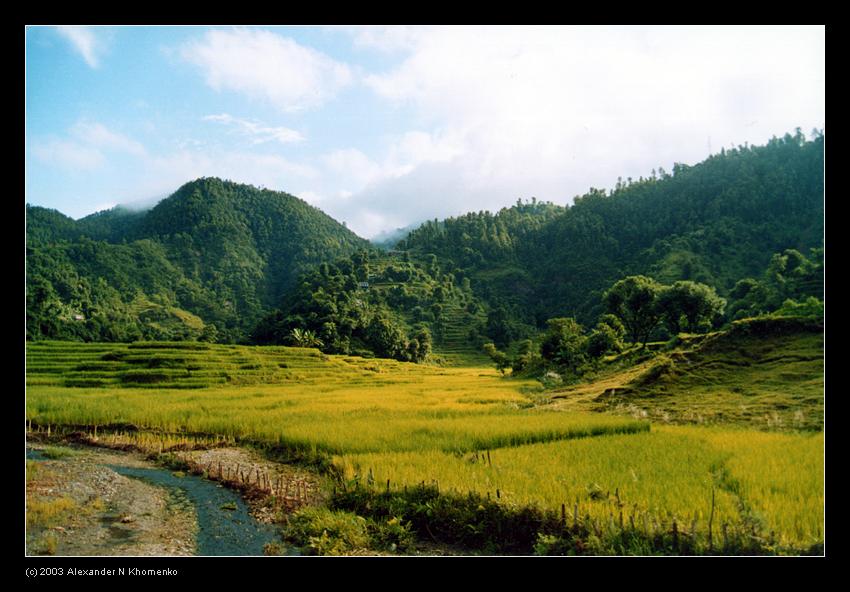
pixel 387 38
pixel 267 66
pixel 84 41
pixel 164 174
pixel 68 155
pixel 87 147
pixel 256 131
pixel 98 135
pixel 352 166
pixel 552 111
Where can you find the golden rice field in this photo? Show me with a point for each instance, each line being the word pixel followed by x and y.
pixel 400 407
pixel 467 429
pixel 668 473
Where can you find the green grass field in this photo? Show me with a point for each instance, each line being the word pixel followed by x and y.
pixel 466 429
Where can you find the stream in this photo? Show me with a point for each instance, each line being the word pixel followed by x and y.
pixel 225 525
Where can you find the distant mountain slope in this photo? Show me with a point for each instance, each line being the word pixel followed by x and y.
pixel 222 251
pixel 715 222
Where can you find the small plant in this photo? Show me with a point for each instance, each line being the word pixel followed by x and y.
pixel 392 535
pixel 550 544
pixel 319 531
pixel 49 545
pixel 274 548
pixel 56 452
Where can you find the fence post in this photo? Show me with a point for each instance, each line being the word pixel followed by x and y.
pixel 710 522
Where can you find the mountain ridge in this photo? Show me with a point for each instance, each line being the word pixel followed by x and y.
pixel 229 253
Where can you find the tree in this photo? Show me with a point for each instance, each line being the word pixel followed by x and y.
pixel 634 300
pixel 602 340
pixel 419 346
pixel 500 326
pixel 689 305
pixel 524 357
pixel 500 358
pixel 614 323
pixel 386 339
pixel 304 338
pixel 564 343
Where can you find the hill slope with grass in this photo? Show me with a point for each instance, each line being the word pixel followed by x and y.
pixel 766 373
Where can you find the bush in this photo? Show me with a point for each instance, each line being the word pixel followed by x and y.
pixel 811 308
pixel 392 535
pixel 320 531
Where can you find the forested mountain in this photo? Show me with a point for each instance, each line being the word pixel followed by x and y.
pixel 715 222
pixel 222 261
pixel 207 262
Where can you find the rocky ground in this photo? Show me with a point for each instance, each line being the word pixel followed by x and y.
pixel 77 506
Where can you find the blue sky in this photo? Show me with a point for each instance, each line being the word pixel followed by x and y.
pixel 381 127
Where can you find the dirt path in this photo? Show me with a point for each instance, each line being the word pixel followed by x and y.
pixel 77 506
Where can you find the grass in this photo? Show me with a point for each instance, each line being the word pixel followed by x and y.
pixel 339 404
pixel 656 477
pixel 750 407
pixel 56 452
pixel 732 378
pixel 46 513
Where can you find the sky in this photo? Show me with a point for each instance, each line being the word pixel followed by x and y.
pixel 386 126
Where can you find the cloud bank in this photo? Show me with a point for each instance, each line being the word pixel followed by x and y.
pixel 552 111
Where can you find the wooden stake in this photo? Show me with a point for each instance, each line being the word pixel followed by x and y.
pixel 710 522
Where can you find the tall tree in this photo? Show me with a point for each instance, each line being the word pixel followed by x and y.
pixel 634 300
pixel 690 306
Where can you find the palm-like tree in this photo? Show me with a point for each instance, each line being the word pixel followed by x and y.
pixel 304 338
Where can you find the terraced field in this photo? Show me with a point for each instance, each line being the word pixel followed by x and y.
pixel 299 398
pixel 398 425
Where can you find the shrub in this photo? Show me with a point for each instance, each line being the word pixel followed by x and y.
pixel 320 531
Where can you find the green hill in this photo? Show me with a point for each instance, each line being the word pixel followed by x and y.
pixel 219 261
pixel 716 222
pixel 218 251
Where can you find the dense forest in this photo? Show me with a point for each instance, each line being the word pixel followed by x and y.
pixel 225 262
pixel 715 222
pixel 206 263
pixel 370 304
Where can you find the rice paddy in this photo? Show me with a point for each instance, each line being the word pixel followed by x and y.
pixel 398 425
